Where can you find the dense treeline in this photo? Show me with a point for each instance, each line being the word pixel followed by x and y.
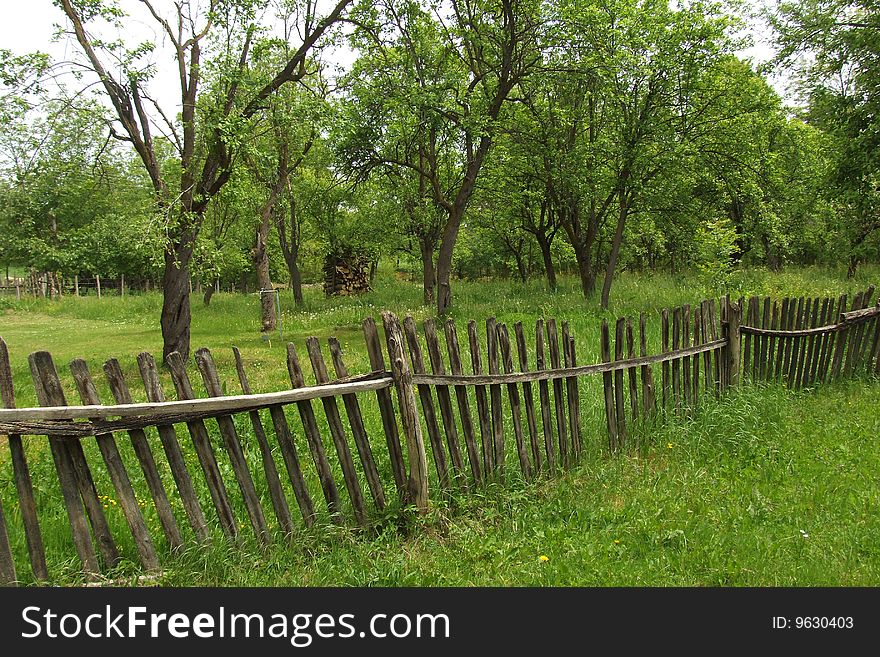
pixel 467 138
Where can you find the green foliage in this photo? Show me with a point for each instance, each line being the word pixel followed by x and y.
pixel 716 244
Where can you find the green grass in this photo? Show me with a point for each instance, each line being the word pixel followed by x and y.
pixel 720 498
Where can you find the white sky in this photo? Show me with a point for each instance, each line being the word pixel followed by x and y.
pixel 29 25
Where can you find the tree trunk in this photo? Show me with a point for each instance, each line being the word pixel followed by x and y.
pixel 295 281
pixel 290 249
pixel 444 273
pixel 772 259
pixel 852 267
pixel 584 257
pixel 429 274
pixel 175 319
pixel 544 242
pixel 521 266
pixel 209 292
pixel 261 266
pixel 615 249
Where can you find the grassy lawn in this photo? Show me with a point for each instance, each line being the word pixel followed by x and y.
pixel 767 487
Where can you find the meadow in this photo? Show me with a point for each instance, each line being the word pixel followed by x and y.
pixel 765 487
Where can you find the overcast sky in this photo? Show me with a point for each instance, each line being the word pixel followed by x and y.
pixel 28 25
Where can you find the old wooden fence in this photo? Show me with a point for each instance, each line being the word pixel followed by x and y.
pixel 467 417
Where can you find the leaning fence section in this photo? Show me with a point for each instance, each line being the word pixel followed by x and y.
pixel 807 341
pixel 445 409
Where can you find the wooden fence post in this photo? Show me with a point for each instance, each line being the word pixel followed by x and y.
pixel 417 485
pixel 731 333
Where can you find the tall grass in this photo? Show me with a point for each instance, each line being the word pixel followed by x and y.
pixel 764 487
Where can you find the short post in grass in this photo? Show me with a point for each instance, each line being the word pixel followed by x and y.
pixel 730 330
pixel 417 487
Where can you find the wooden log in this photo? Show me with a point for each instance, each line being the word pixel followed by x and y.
pixel 427 401
pixel 444 399
pixel 232 444
pixel 817 324
pixel 771 342
pixel 417 484
pixel 873 356
pixel 358 430
pixel 313 437
pixel 698 341
pixel 719 361
pixel 855 336
pixel 386 408
pixel 840 342
pixel 273 481
pixel 789 339
pixel 574 403
pixel 619 386
pixel 830 338
pixel 802 346
pixel 42 364
pixel 497 449
pixel 140 444
pixel 337 433
pixel 765 344
pixel 513 396
pixel 799 323
pixel 461 398
pixel 558 395
pixel 608 388
pixel 49 392
pixel 724 315
pixel 8 576
pixel 486 437
pixel 865 357
pixel 544 396
pixel 171 447
pixel 707 356
pixel 855 363
pixel 141 415
pixel 815 343
pixel 21 473
pixel 686 361
pixel 676 364
pixel 631 374
pixel 734 317
pixel 751 320
pixel 755 356
pixel 780 341
pixel 648 398
pixel 202 443
pixel 876 345
pixel 118 475
pixel 531 418
pixel 811 319
pixel 665 378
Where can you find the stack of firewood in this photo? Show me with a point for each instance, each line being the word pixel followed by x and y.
pixel 345 276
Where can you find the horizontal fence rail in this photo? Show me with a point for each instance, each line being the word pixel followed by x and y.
pixel 456 407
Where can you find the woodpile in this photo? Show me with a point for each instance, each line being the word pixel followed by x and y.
pixel 346 276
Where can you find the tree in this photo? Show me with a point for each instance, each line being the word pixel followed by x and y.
pixel 834 46
pixel 435 86
pixel 207 135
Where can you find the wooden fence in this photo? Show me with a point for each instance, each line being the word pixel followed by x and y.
pixel 807 341
pixel 358 475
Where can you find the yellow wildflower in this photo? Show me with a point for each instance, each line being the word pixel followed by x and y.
pixel 544 558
